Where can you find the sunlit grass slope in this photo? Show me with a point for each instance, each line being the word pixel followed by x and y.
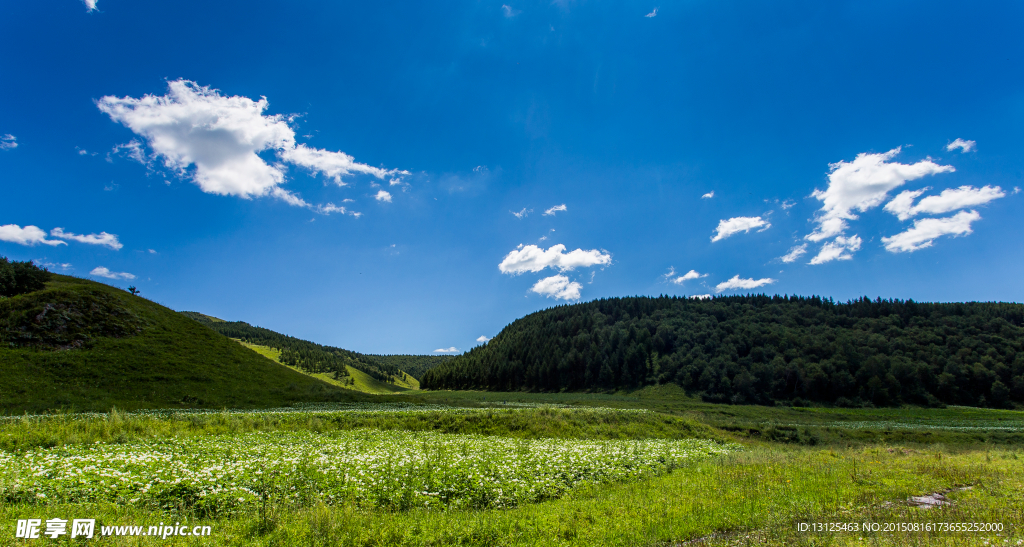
pixel 366 383
pixel 360 380
pixel 89 346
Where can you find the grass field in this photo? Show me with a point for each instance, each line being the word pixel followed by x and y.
pixel 645 468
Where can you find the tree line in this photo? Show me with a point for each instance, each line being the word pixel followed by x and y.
pixel 759 349
pixel 21 277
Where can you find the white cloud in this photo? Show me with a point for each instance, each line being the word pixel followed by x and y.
pixel 1016 189
pixel 383 195
pixel 735 225
pixel 839 249
pixel 557 287
pixel 926 230
pixel 949 200
pixel 216 140
pixel 100 271
pixel 51 266
pixel 8 142
pixel 862 184
pixel 452 349
pixel 522 214
pixel 794 253
pixel 483 339
pixel 288 197
pixel 333 165
pixel 29 235
pixel 736 283
pixel 964 146
pixel 555 209
pixel 654 13
pixel 700 296
pixel 787 204
pixel 329 208
pixel 152 252
pixel 132 149
pixel 692 274
pixel 90 5
pixel 102 238
pixel 532 258
pixel 708 195
pixel 507 11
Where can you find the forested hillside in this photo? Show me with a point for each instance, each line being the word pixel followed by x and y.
pixel 316 358
pixel 413 365
pixel 759 349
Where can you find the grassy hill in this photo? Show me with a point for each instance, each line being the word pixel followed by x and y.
pixel 89 346
pixel 377 373
pixel 760 349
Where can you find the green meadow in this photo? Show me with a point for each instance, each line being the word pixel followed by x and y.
pixel 461 468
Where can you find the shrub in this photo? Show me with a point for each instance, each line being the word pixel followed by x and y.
pixel 21 277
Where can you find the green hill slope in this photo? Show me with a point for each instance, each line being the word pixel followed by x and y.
pixel 759 349
pixel 317 359
pixel 86 345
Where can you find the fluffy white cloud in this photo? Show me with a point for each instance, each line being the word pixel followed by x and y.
pixel 692 274
pixel 90 5
pixel 951 199
pixel 222 137
pixel 735 225
pixel 557 287
pixel 838 249
pixel 863 184
pixel 708 195
pixel 700 296
pixel 522 214
pixel 794 253
pixel 964 146
pixel 555 209
pixel 29 235
pixel 736 283
pixel 654 13
pixel 927 230
pixel 100 271
pixel 383 195
pixel 532 258
pixel 8 142
pixel 102 238
pixel 452 349
pixel 483 339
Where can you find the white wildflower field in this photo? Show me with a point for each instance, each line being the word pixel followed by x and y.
pixel 374 468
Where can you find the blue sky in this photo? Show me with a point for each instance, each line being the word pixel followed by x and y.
pixel 409 177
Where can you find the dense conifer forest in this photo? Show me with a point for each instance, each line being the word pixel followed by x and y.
pixel 759 349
